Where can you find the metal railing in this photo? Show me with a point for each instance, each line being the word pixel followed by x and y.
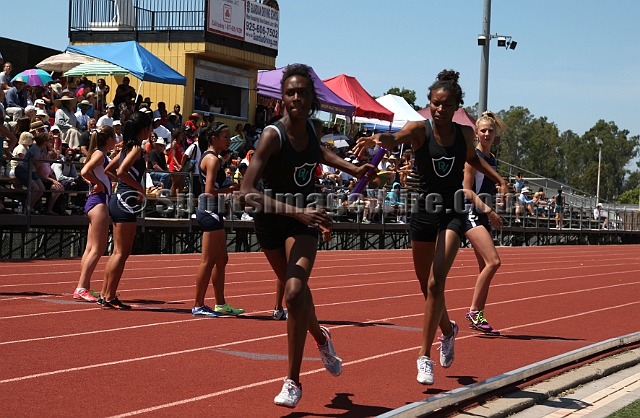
pixel 137 15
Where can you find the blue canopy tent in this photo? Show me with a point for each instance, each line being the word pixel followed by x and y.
pixel 132 57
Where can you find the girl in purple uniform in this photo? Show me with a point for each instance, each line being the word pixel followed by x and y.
pixel 102 141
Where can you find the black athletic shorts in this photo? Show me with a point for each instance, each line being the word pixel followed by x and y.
pixel 476 218
pixel 124 207
pixel 209 221
pixel 273 230
pixel 425 227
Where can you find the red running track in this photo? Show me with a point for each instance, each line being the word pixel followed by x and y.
pixel 64 358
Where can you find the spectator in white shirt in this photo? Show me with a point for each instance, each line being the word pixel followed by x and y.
pixel 81 115
pixel 162 132
pixel 107 120
pixel 117 127
pixel 601 215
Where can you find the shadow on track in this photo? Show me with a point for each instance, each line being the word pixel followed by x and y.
pixel 342 401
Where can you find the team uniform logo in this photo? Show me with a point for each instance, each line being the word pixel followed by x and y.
pixel 303 174
pixel 443 165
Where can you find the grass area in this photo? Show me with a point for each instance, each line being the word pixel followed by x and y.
pixel 630 411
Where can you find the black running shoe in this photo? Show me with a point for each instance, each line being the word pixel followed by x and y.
pixel 115 304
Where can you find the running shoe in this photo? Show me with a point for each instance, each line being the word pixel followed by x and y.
pixel 446 346
pixel 204 311
pixel 227 309
pixel 115 304
pixel 479 322
pixel 425 370
pixel 331 361
pixel 280 314
pixel 84 295
pixel 290 394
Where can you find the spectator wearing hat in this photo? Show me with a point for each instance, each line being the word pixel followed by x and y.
pixel 96 106
pixel 600 215
pixel 5 76
pixel 162 132
pixel 66 120
pixel 124 92
pixel 82 116
pixel 117 127
pixel 56 137
pixel 30 112
pixel 523 202
pixel 36 127
pixel 16 98
pixel 40 104
pixel 172 122
pixel 107 120
pixel 157 164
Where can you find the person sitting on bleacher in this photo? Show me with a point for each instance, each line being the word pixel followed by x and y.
pixel 523 202
pixel 600 215
pixel 394 203
pixel 539 204
pixel 67 174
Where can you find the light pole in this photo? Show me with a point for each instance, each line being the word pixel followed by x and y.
pixel 484 40
pixel 599 142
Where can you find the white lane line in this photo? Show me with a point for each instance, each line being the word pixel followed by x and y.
pixel 193 350
pixel 269 381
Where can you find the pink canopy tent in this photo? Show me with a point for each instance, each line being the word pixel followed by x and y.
pixel 350 90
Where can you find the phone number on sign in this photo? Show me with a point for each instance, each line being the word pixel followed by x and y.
pixel 252 27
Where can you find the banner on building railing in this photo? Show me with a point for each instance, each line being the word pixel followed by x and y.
pixel 246 20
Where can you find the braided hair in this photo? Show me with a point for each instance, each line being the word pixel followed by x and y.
pixel 448 80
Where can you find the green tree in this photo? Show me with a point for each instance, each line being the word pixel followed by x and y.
pixel 472 110
pixel 408 95
pixel 617 150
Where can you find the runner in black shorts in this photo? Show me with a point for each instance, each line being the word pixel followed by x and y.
pixel 441 148
pixel 125 204
pixel 287 155
pixel 211 206
pixel 481 219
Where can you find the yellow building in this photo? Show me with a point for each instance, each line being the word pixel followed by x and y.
pixel 216 44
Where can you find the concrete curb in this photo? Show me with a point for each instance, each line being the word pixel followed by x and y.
pixel 521 400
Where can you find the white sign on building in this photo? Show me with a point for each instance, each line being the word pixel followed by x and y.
pixel 226 17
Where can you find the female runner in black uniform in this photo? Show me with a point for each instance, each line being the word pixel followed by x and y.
pixel 441 148
pixel 125 204
pixel 287 155
pixel 215 139
pixel 478 228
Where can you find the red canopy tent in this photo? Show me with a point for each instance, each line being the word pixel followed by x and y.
pixel 350 90
pixel 461 117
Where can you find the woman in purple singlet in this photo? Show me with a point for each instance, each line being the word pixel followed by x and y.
pixel 102 141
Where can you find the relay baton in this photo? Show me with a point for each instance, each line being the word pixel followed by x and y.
pixel 363 181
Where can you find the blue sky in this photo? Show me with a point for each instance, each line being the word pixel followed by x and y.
pixel 577 61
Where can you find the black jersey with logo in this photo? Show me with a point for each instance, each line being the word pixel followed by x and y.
pixel 290 171
pixel 441 168
pixel 137 171
pixel 220 177
pixel 482 183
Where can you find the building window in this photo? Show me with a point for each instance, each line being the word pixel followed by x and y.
pixel 221 89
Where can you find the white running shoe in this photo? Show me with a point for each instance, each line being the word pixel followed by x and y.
pixel 280 314
pixel 331 361
pixel 425 370
pixel 246 217
pixel 290 394
pixel 446 347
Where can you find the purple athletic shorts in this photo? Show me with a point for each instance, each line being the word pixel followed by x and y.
pixel 94 200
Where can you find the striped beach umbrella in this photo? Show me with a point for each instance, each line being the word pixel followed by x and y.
pixel 62 62
pixel 96 68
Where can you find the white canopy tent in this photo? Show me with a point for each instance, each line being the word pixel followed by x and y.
pixel 402 112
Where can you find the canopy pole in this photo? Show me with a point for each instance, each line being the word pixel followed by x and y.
pixel 138 93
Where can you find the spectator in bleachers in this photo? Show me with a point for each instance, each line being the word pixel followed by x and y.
pixel 162 132
pixel 172 122
pixel 85 137
pixel 175 160
pixel 600 215
pixel 27 175
pixel 395 203
pixel 50 183
pixel 539 204
pixel 5 76
pixel 107 119
pixel 30 112
pixel 158 163
pixel 25 141
pixel 519 182
pixel 176 110
pixel 523 203
pixel 66 120
pixel 117 128
pixel 16 98
pixel 81 115
pixel 559 209
pixel 67 174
